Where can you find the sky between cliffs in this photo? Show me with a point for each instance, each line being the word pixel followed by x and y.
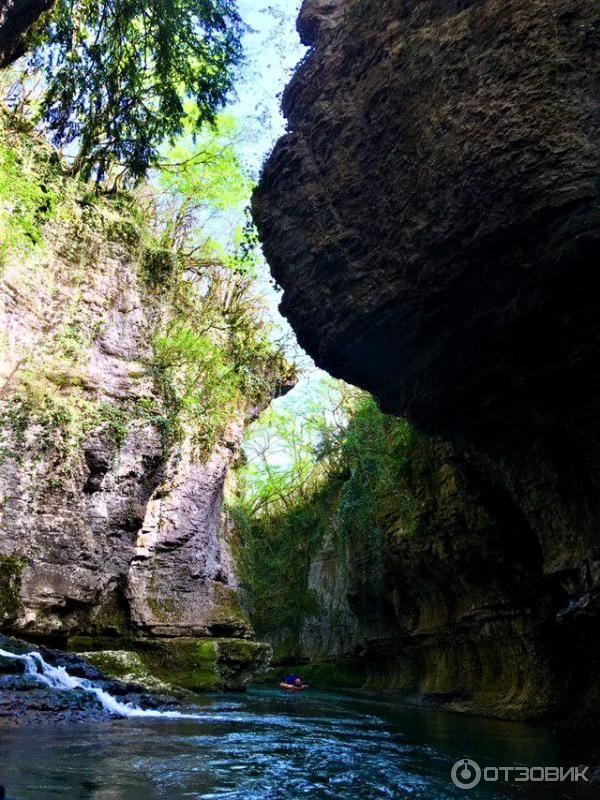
pixel 273 49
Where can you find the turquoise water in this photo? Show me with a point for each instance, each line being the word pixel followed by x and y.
pixel 269 744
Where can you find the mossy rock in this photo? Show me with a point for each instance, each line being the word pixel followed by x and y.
pixel 128 667
pixel 189 663
pixel 239 661
pixel 11 568
pixel 227 615
pixel 197 665
pixel 96 643
pixel 205 664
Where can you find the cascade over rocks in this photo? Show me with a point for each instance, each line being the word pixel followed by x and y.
pixel 432 216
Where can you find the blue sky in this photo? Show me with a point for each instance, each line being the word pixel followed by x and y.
pixel 273 49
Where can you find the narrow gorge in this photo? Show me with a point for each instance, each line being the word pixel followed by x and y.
pixel 299 416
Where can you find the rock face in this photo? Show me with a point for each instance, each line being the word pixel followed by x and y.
pixel 111 527
pixel 181 580
pixel 437 196
pixel 433 218
pixel 116 527
pixel 461 611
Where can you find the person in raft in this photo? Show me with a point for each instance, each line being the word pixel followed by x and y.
pixel 292 681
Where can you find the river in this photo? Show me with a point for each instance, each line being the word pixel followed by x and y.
pixel 266 744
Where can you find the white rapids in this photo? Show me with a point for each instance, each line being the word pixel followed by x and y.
pixel 59 679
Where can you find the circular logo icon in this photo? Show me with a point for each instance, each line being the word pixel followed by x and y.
pixel 466 774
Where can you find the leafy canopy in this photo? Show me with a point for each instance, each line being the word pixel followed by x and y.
pixel 119 73
pixel 214 357
pixel 207 170
pixel 205 193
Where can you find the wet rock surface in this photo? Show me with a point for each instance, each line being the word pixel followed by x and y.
pixel 23 700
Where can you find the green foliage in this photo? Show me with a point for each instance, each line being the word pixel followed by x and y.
pixel 11 568
pixel 28 195
pixel 215 358
pixel 376 495
pixel 197 380
pixel 159 263
pixel 204 200
pixel 118 75
pixel 335 470
pixel 273 553
pixel 205 170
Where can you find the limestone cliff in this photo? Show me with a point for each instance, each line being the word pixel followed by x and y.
pixel 111 527
pixel 432 212
pixel 432 216
pixel 455 611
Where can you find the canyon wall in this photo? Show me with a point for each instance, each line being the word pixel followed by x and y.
pixel 112 532
pixel 432 216
pixel 452 607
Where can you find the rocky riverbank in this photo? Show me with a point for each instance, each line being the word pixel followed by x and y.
pixel 26 700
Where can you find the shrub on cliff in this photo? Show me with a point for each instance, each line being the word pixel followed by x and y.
pixel 212 355
pixel 216 354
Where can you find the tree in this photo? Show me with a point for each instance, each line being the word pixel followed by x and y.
pixel 205 190
pixel 119 73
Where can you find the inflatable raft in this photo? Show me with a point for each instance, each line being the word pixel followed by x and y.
pixel 291 688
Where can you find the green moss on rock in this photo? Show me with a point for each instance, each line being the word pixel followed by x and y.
pixel 11 568
pixel 239 661
pixel 129 667
pixel 189 663
pixel 227 611
pixel 197 665
pixel 204 664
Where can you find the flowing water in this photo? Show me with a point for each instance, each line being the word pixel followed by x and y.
pixel 269 744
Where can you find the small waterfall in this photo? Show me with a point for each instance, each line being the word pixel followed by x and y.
pixel 59 679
